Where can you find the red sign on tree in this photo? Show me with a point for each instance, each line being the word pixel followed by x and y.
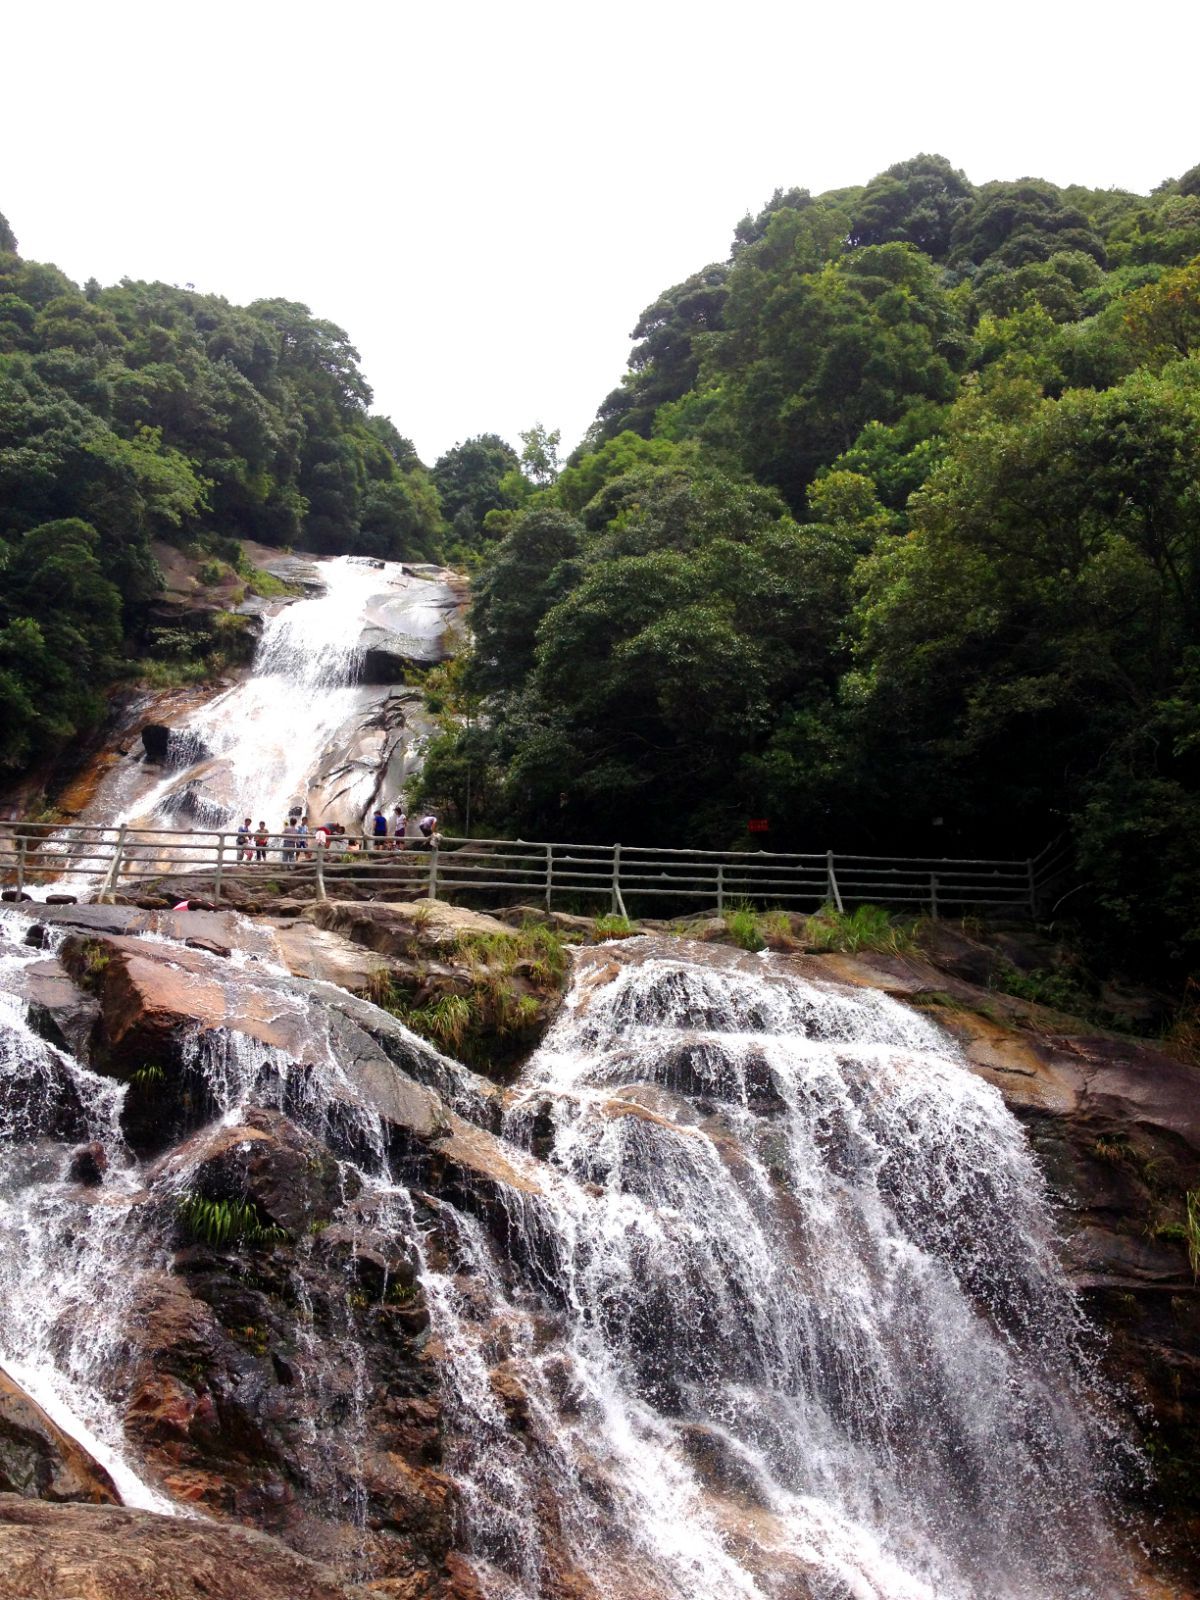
pixel 759 825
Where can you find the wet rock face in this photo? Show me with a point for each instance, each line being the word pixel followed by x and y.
pixel 413 624
pixel 38 1460
pixel 1115 1127
pixel 364 761
pixel 172 747
pixel 278 1366
pixel 264 1372
pixel 278 1369
pixel 50 1552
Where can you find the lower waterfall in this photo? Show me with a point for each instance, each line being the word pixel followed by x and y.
pixel 777 1314
pixel 816 1337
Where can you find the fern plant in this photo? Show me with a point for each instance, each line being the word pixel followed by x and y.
pixel 222 1223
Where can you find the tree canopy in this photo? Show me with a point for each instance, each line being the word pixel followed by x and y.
pixel 143 412
pixel 891 534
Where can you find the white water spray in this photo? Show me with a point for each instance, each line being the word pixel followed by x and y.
pixel 812 1327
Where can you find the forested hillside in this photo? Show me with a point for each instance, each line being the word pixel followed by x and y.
pixel 145 412
pixel 890 535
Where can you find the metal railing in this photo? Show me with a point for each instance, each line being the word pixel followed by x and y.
pixel 82 857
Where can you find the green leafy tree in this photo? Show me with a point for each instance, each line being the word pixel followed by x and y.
pixel 915 202
pixel 665 360
pixel 533 567
pixel 60 632
pixel 472 480
pixel 539 456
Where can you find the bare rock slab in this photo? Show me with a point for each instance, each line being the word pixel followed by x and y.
pixel 50 1552
pixel 38 1461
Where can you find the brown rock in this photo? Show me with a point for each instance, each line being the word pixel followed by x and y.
pixel 396 928
pixel 88 1164
pixel 59 1010
pixel 313 952
pixel 466 1162
pixel 112 1553
pixel 39 1461
pixel 266 1159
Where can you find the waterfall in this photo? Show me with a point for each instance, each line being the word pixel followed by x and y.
pixel 61 1298
pixel 778 1317
pixel 810 1323
pixel 271 730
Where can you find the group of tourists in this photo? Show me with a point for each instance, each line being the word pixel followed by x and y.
pixel 296 841
pixel 398 831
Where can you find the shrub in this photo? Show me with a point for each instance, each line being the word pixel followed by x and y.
pixel 260 582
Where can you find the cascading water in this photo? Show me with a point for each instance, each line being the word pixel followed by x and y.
pixel 812 1335
pixel 774 1312
pixel 271 730
pixel 58 1245
pixel 76 1258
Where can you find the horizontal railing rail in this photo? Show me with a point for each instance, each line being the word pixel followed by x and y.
pixel 62 859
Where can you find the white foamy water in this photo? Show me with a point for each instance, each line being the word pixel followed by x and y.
pixel 270 732
pixel 59 1293
pixel 812 1326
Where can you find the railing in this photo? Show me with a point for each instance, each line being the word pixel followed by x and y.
pixel 207 865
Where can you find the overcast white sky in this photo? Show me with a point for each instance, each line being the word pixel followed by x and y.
pixel 486 195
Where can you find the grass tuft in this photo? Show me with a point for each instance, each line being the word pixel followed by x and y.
pixel 867 927
pixel 741 924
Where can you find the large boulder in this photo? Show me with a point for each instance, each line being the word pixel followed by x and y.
pixel 417 621
pixel 312 952
pixel 364 762
pixel 58 1009
pixel 39 1461
pixel 77 1552
pixel 403 927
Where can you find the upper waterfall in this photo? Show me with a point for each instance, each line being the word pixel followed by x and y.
pixel 321 722
pixel 267 736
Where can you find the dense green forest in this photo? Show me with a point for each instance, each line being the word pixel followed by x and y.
pixel 144 412
pixel 890 535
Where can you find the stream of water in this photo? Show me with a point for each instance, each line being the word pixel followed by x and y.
pixel 813 1323
pixel 268 734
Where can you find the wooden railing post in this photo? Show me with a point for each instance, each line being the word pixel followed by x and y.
pixel 22 846
pixel 549 874
pixel 220 864
pixel 433 865
pixel 319 858
pixel 108 888
pixel 1032 890
pixel 720 888
pixel 835 894
pixel 933 899
pixel 618 905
